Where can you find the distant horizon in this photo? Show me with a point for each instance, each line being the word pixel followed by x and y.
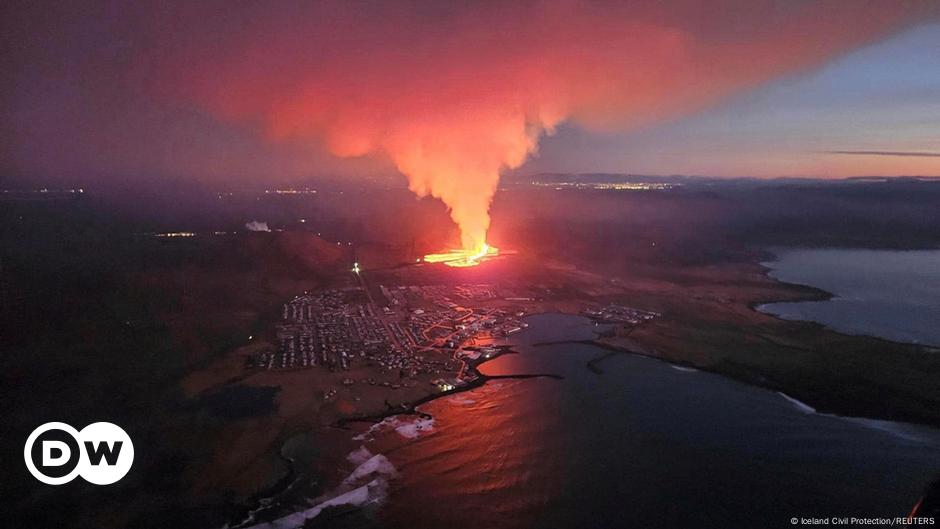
pixel 86 185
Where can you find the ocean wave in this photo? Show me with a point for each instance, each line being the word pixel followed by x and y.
pixel 366 485
pixel 798 404
pixel 366 435
pixel 407 427
pixel 459 399
pixel 377 465
pixel 414 429
pixel 898 429
pixel 359 456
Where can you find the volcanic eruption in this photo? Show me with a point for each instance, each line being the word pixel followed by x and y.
pixel 462 257
pixel 455 94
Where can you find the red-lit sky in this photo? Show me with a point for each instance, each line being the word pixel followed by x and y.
pixel 232 92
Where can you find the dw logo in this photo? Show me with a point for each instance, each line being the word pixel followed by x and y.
pixel 102 453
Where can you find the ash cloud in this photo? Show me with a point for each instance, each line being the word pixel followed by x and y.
pixel 451 94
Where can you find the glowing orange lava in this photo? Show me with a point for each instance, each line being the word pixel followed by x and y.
pixel 463 258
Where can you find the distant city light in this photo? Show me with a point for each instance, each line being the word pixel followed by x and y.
pixel 290 191
pixel 609 186
pixel 176 234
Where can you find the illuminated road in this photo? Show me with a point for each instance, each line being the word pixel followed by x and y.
pixel 375 309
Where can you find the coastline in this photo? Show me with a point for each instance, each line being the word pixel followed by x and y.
pixel 822 404
pixel 410 408
pixel 814 402
pixel 799 338
pixel 830 403
pixel 354 499
pixel 825 295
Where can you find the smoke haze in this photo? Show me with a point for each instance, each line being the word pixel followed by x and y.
pixel 452 95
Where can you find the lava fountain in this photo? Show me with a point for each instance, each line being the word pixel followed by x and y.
pixel 454 96
pixel 463 258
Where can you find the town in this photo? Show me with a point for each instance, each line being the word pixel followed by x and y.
pixel 411 330
pixel 619 314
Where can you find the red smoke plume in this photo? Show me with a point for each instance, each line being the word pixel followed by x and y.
pixel 454 95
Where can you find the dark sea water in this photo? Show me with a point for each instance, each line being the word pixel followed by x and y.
pixel 889 294
pixel 644 444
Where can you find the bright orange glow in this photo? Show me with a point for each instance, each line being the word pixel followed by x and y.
pixel 454 97
pixel 463 258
